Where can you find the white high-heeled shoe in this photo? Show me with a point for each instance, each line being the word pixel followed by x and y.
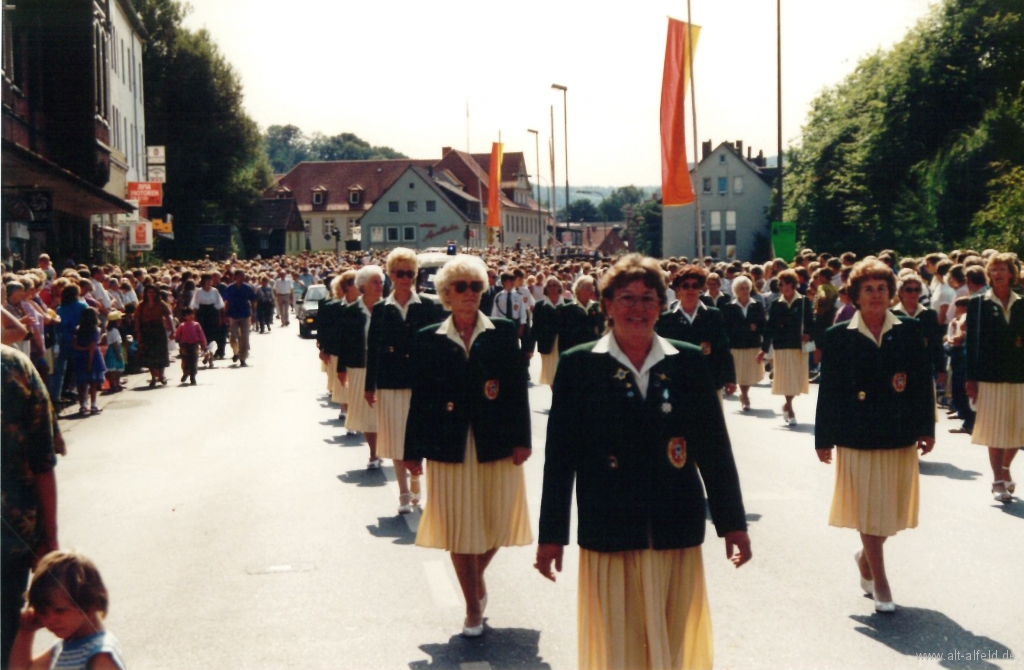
pixel 867 584
pixel 883 607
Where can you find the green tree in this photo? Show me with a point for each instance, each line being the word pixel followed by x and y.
pixel 216 167
pixel 286 146
pixel 1000 224
pixel 647 232
pixel 612 206
pixel 583 210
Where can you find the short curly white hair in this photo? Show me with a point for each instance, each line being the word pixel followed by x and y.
pixel 741 281
pixel 402 255
pixel 585 280
pixel 469 268
pixel 367 272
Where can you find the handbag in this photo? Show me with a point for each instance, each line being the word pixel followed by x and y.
pixel 807 347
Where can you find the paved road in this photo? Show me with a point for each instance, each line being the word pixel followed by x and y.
pixel 237 528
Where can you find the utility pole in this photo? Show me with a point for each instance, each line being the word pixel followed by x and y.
pixel 778 34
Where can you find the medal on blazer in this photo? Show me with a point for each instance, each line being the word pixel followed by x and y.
pixel 705 348
pixel 620 374
pixel 677 451
pixel 491 389
pixel 899 382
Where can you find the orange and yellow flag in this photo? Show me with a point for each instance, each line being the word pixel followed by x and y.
pixel 494 187
pixel 676 188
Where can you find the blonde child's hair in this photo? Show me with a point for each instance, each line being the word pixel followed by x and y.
pixel 70 573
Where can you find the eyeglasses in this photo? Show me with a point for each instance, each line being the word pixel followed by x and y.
pixel 645 301
pixel 911 289
pixel 404 274
pixel 474 286
pixel 688 286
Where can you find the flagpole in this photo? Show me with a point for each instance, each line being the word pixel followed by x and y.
pixel 693 113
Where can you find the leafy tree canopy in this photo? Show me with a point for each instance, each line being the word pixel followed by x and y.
pixel 287 146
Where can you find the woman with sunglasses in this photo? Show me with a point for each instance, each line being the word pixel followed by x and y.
pixel 909 292
pixel 389 365
pixel 469 416
pixel 632 416
pixel 353 327
pixel 790 325
pixel 702 326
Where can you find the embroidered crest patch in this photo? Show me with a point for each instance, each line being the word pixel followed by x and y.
pixel 705 348
pixel 491 389
pixel 677 451
pixel 899 382
pixel 753 327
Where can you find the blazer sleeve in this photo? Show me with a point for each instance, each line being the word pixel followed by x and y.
pixel 830 389
pixel 770 325
pixel 724 364
pixel 924 392
pixel 373 344
pixel 973 341
pixel 560 453
pixel 417 425
pixel 518 428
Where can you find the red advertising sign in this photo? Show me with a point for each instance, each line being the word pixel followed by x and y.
pixel 148 193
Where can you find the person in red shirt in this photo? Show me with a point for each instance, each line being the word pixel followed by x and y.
pixel 191 340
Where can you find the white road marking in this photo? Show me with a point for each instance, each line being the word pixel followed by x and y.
pixel 441 587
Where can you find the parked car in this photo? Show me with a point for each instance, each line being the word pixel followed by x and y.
pixel 430 262
pixel 306 310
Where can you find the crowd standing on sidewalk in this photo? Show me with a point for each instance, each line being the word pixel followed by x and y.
pixel 434 366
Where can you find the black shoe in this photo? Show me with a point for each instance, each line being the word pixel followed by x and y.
pixel 193 380
pixel 242 364
pixel 183 378
pixel 234 359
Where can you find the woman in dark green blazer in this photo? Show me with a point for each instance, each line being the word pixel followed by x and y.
pixel 744 324
pixel 995 369
pixel 694 322
pixel 909 292
pixel 470 418
pixel 390 369
pixel 632 415
pixel 790 324
pixel 582 320
pixel 876 403
pixel 547 319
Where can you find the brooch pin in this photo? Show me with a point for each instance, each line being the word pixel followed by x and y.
pixel 666 407
pixel 620 374
pixel 662 376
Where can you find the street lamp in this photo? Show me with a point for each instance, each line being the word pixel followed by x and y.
pixel 331 230
pixel 605 214
pixel 565 111
pixel 540 225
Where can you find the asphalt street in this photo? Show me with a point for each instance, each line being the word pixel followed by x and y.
pixel 236 526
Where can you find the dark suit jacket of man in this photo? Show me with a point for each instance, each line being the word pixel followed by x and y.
pixel 451 394
pixel 873 397
pixel 707 332
pixel 640 466
pixel 389 347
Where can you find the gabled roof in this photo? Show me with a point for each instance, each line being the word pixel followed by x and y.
pixel 278 214
pixel 443 193
pixel 768 175
pixel 337 177
pixel 512 164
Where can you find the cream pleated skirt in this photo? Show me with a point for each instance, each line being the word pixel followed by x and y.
pixel 392 413
pixel 643 609
pixel 474 507
pixel 790 372
pixel 1000 420
pixel 748 371
pixel 360 418
pixel 876 490
pixel 549 364
pixel 339 393
pixel 323 368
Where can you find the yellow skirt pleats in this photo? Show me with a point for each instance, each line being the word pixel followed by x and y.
pixel 323 368
pixel 548 365
pixel 643 609
pixel 1000 420
pixel 474 507
pixel 360 418
pixel 876 490
pixel 339 393
pixel 748 371
pixel 790 368
pixel 392 413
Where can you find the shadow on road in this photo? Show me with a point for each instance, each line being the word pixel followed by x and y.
pixel 364 477
pixel 1013 509
pixel 913 630
pixel 498 647
pixel 393 526
pixel 347 440
pixel 946 470
pixel 807 428
pixel 759 413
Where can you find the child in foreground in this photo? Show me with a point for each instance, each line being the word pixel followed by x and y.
pixel 67 597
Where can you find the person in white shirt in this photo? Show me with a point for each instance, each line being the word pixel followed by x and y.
pixel 509 304
pixel 284 297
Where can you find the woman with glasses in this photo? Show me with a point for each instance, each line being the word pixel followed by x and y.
pixel 909 292
pixel 714 297
pixel 790 324
pixel 694 322
pixel 546 322
pixel 995 369
pixel 744 324
pixel 876 408
pixel 632 416
pixel 469 416
pixel 580 321
pixel 353 327
pixel 389 365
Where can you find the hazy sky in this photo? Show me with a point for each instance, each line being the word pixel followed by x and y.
pixel 399 73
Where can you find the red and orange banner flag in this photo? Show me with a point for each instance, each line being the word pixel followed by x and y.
pixel 494 187
pixel 676 188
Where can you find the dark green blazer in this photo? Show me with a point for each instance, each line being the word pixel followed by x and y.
pixel 933 332
pixel 389 345
pixel 351 329
pixel 720 303
pixel 451 394
pixel 995 349
pixel 744 332
pixel 784 331
pixel 707 333
pixel 873 397
pixel 578 325
pixel 327 335
pixel 546 323
pixel 640 466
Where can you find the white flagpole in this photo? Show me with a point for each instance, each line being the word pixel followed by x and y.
pixel 696 159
